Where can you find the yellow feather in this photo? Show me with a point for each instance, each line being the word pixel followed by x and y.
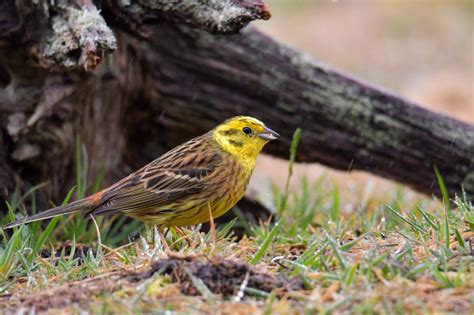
pixel 176 188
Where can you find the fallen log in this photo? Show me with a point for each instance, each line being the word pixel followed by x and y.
pixel 196 79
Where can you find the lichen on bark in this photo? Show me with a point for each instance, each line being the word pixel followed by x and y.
pixel 216 16
pixel 79 37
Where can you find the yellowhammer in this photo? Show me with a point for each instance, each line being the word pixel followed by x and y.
pixel 177 189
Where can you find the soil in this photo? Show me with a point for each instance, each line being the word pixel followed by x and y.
pixel 221 276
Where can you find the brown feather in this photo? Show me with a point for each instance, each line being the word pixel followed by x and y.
pixel 164 181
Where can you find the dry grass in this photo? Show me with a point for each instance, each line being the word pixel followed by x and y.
pixel 387 257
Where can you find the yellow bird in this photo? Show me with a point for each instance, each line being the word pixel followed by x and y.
pixel 177 189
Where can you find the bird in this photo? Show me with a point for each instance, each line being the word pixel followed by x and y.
pixel 193 183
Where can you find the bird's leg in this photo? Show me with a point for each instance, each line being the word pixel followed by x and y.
pixel 212 229
pixel 158 233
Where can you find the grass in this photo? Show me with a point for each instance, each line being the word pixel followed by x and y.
pixel 388 255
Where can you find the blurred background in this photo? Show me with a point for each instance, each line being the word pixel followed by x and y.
pixel 423 50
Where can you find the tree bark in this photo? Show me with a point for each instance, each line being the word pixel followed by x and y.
pixel 170 77
pixel 347 124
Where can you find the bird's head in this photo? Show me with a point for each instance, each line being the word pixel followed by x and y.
pixel 243 136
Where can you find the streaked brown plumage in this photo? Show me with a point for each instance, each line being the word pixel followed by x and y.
pixel 178 188
pixel 188 174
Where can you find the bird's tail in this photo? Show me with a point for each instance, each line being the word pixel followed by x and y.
pixel 85 204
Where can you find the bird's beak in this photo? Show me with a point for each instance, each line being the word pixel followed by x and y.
pixel 268 134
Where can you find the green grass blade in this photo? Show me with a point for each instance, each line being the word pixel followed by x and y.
pixel 349 274
pixel 348 246
pixel 38 244
pixel 408 221
pixel 337 251
pixel 30 191
pixel 226 229
pixel 427 218
pixel 447 236
pixel 460 239
pixel 68 196
pixel 293 149
pixel 447 206
pixel 444 191
pixel 81 168
pixel 7 259
pixel 335 215
pixel 98 180
pixel 261 252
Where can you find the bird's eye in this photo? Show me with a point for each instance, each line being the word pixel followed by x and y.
pixel 247 130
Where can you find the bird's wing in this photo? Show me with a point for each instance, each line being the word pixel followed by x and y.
pixel 177 174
